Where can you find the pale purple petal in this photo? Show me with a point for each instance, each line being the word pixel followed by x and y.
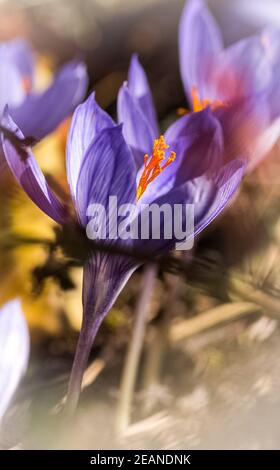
pixel 270 38
pixel 203 134
pixel 108 169
pixel 87 122
pixel 11 89
pixel 199 43
pixel 14 351
pixel 243 69
pixel 264 143
pixel 17 67
pixel 271 41
pixel 211 196
pixel 41 113
pixel 197 139
pixel 29 175
pixel 21 55
pixel 243 123
pixel 209 193
pixel 137 130
pixel 140 89
pixel 159 243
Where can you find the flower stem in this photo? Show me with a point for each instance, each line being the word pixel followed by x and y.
pixel 86 338
pixel 101 287
pixel 135 347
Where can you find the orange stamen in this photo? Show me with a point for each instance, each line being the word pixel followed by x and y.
pixel 200 104
pixel 152 166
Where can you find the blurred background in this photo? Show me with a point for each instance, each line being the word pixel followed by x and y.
pixel 209 375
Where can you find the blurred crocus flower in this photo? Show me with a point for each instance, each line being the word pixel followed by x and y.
pixel 239 83
pixel 256 13
pixel 37 113
pixel 14 351
pixel 100 164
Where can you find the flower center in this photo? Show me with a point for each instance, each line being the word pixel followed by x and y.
pixel 152 165
pixel 199 104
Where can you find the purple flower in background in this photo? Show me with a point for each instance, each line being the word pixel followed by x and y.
pixel 14 351
pixel 101 162
pixel 239 83
pixel 37 113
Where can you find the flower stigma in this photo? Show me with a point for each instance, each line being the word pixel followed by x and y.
pixel 152 165
pixel 200 104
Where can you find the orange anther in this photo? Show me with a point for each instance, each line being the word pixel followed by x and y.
pixel 152 165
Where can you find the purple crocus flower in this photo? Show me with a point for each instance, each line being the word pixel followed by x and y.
pixel 100 164
pixel 37 113
pixel 14 351
pixel 239 83
pixel 197 134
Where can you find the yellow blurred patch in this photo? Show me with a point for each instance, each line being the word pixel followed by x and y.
pixel 26 220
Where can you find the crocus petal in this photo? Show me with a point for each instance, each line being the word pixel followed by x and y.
pixel 204 151
pixel 264 143
pixel 16 72
pixel 160 225
pixel 197 139
pixel 200 152
pixel 242 70
pixel 41 113
pixel 140 89
pixel 243 123
pixel 87 122
pixel 21 55
pixel 199 42
pixel 11 89
pixel 14 351
pixel 108 169
pixel 29 175
pixel 137 129
pixel 211 196
pixel 271 40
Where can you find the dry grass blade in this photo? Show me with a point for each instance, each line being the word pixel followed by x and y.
pixel 249 293
pixel 216 316
pixel 155 421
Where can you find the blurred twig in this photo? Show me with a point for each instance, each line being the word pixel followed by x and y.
pixel 213 317
pixel 270 303
pixel 134 350
pixel 148 424
pixel 159 338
